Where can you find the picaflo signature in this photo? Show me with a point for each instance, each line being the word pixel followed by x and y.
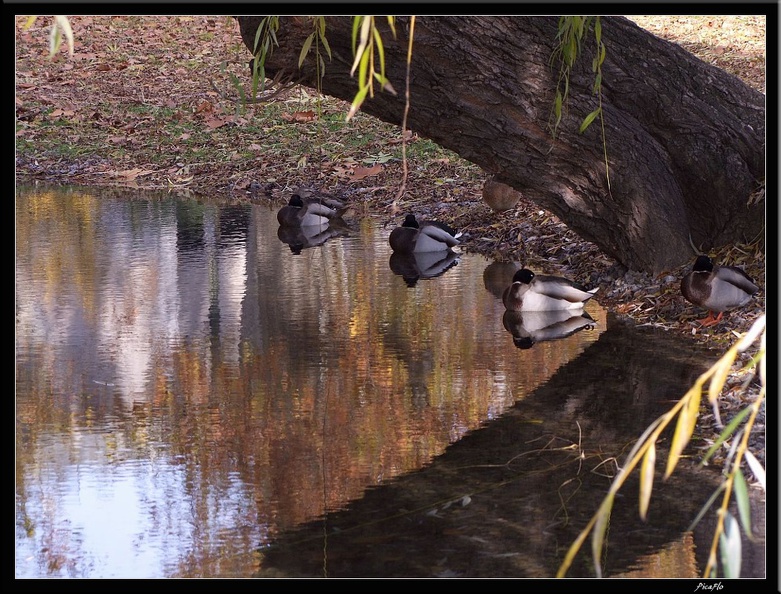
pixel 714 586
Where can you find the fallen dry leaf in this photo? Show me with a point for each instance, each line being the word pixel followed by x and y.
pixel 130 174
pixel 299 116
pixel 204 106
pixel 364 172
pixel 61 112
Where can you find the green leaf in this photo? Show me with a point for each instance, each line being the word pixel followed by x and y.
pixel 363 77
pixel 557 108
pixel 357 20
pixel 597 83
pixel 726 432
pixel 744 503
pixel 380 50
pixel 589 118
pixel 357 102
pixel 258 34
pixel 706 507
pixel 327 47
pixel 305 49
pixel 360 53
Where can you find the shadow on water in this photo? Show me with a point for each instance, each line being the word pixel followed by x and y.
pixel 509 499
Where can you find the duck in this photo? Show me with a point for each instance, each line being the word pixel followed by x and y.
pixel 716 288
pixel 422 265
pixel 530 327
pixel 310 211
pixel 425 236
pixel 307 236
pixel 538 292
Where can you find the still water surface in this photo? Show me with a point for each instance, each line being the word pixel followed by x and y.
pixel 189 386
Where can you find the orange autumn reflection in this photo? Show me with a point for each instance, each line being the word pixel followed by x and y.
pixel 184 344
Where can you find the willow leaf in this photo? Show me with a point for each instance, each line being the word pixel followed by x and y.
pixel 63 23
pixel 647 479
pixel 600 528
pixel 589 118
pixel 305 49
pixel 744 503
pixel 730 547
pixel 720 373
pixel 357 102
pixel 597 83
pixel 380 49
pixel 756 468
pixel 361 51
pixel 357 20
pixel 680 436
pixel 706 507
pixel 363 72
pixel 327 47
pixel 726 432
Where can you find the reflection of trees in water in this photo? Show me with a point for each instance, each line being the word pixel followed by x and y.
pixel 513 495
pixel 304 378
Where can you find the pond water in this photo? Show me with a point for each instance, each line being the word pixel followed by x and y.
pixel 194 386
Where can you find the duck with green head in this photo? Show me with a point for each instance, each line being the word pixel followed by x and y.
pixel 717 288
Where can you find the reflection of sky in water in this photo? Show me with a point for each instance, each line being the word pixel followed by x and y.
pixel 120 518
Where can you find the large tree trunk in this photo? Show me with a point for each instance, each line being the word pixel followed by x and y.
pixel 685 140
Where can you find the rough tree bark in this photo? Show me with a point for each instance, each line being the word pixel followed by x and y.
pixel 685 140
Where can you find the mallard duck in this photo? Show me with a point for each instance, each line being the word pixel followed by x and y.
pixel 310 211
pixel 531 327
pixel 716 288
pixel 307 236
pixel 421 265
pixel 426 236
pixel 538 292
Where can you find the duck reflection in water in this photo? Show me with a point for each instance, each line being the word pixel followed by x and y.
pixel 531 327
pixel 421 265
pixel 307 236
